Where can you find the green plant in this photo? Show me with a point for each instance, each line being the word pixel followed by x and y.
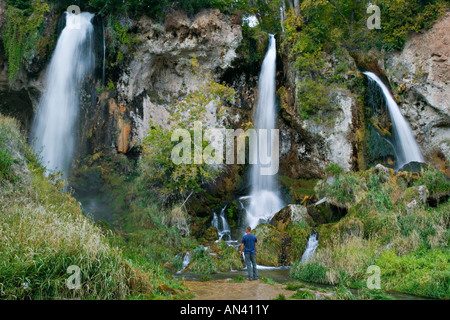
pixel 21 32
pixel 238 279
pixel 6 162
pixel 303 294
pixel 310 272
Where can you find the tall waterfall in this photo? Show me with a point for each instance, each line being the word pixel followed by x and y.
pixel 406 147
pixel 53 129
pixel 264 197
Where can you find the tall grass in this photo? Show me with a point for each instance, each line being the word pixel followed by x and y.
pixel 43 231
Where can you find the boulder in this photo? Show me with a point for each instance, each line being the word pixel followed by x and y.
pixel 211 235
pixel 291 213
pixel 269 246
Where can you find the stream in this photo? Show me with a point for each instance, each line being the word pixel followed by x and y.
pixel 280 275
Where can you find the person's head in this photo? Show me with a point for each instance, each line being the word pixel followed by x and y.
pixel 248 229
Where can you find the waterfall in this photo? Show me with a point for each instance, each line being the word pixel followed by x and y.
pixel 406 147
pixel 265 199
pixel 53 129
pixel 311 247
pixel 223 229
pixel 186 261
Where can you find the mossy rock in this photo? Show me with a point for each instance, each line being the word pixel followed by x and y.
pixel 230 260
pixel 326 232
pixel 349 226
pixel 269 245
pixel 211 235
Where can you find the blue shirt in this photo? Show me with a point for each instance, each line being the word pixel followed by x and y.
pixel 249 241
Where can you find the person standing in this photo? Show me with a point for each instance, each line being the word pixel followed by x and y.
pixel 248 246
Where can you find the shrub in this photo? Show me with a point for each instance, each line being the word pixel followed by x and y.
pixel 21 32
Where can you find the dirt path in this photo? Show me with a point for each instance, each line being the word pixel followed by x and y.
pixel 225 290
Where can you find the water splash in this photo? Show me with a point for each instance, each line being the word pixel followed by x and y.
pixel 53 129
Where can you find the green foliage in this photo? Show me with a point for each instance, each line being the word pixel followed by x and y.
pixel 436 182
pixel 158 8
pixel 303 295
pixel 238 279
pixel 179 180
pixel 314 98
pixel 268 280
pixel 202 262
pixel 343 293
pixel 344 190
pixel 39 218
pixel 309 272
pixel 321 34
pixel 424 272
pixel 6 162
pixel 399 17
pixel 21 32
pixel 334 169
pixel 374 294
pixel 280 297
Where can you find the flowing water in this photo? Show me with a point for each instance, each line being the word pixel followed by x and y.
pixel 264 198
pixel 311 247
pixel 53 130
pixel 406 148
pixel 221 224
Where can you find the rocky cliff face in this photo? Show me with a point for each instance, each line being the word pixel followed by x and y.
pixel 309 145
pixel 420 73
pixel 160 72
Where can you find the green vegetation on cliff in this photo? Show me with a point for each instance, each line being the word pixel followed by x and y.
pixel 21 32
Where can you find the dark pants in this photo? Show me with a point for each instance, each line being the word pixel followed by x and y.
pixel 250 262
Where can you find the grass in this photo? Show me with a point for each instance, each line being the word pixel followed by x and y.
pixel 43 231
pixel 303 294
pixel 423 273
pixel 238 279
pixel 410 246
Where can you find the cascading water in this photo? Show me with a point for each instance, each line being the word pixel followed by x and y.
pixel 406 148
pixel 264 199
pixel 311 247
pixel 186 261
pixel 223 229
pixel 54 125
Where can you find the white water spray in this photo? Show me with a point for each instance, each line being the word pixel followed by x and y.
pixel 54 125
pixel 407 149
pixel 311 247
pixel 223 229
pixel 265 199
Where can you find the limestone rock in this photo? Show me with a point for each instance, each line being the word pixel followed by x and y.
pixel 422 72
pixel 290 213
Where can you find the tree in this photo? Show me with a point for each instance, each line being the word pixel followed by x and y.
pixel 178 181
